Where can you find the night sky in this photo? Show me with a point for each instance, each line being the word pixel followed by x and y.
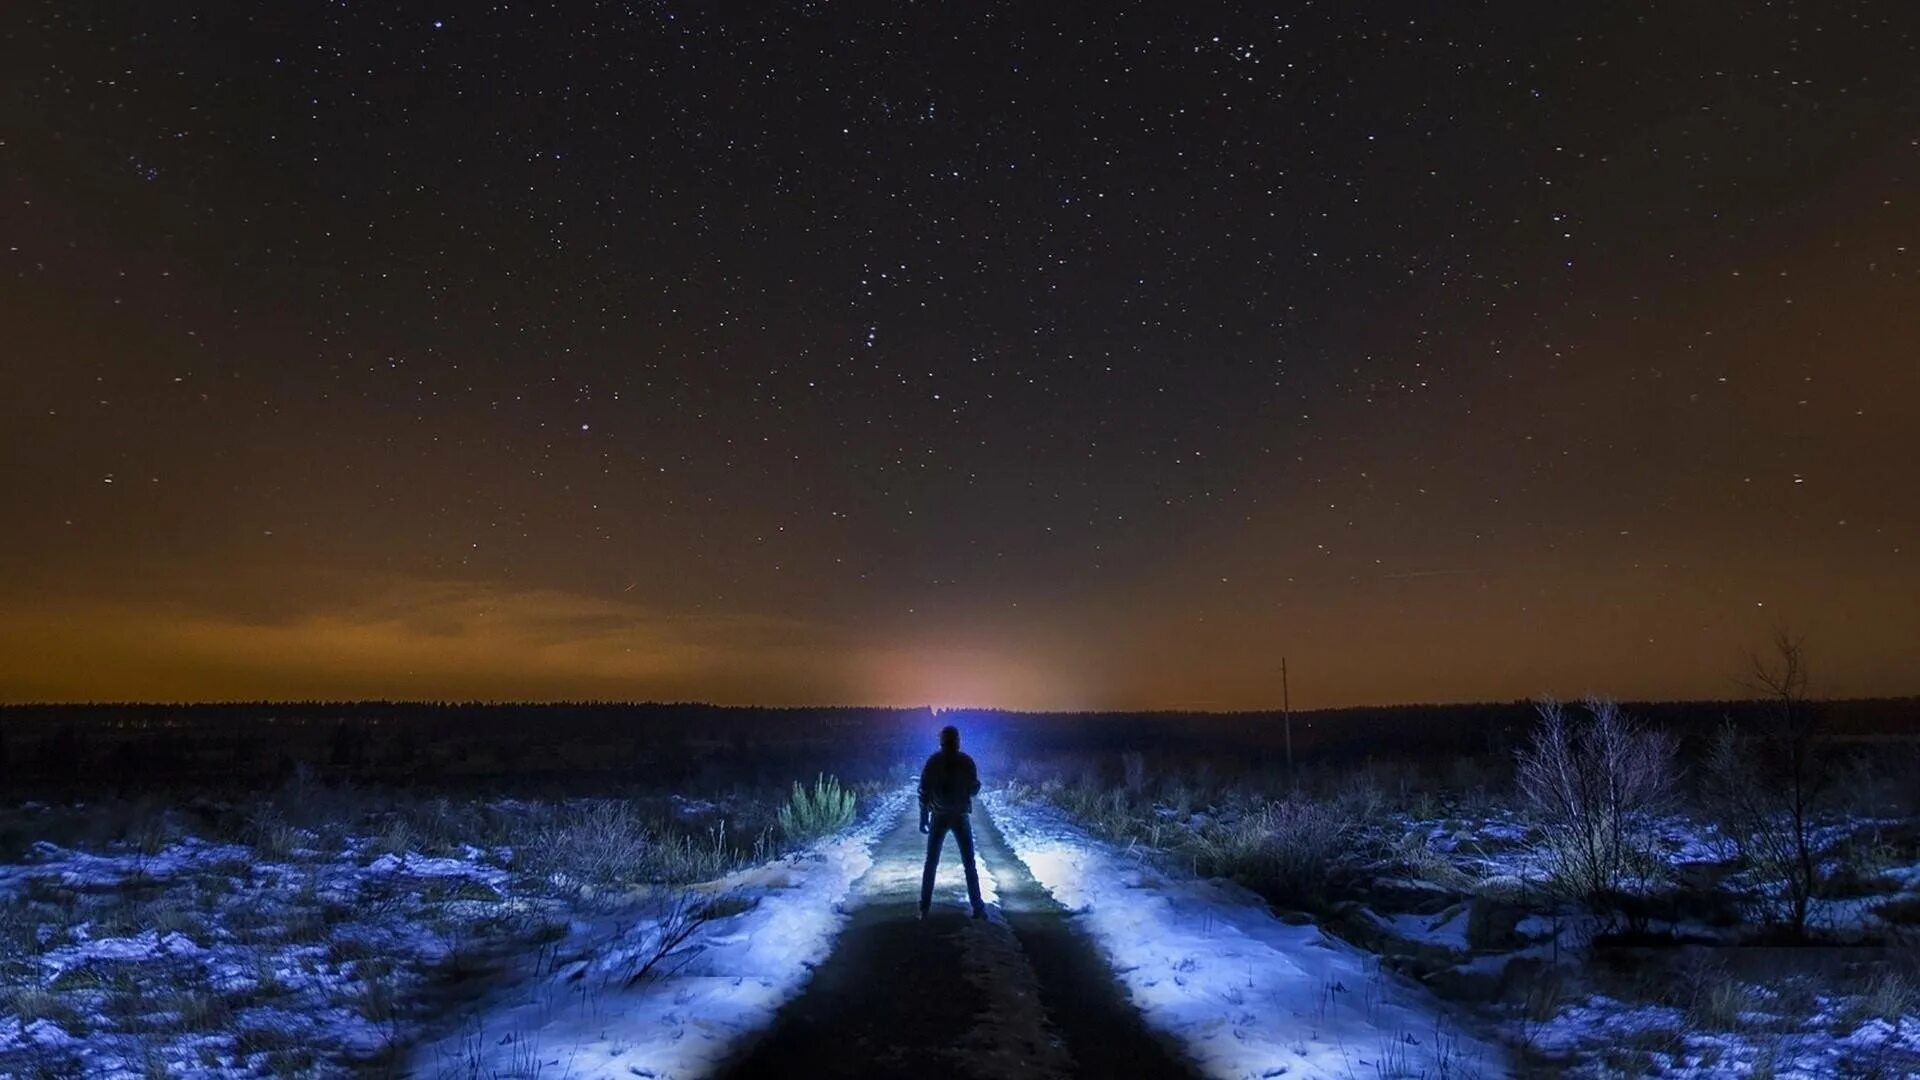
pixel 1022 354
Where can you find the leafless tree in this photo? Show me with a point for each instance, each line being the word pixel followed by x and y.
pixel 1595 785
pixel 664 942
pixel 1768 788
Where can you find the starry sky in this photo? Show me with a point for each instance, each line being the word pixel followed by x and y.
pixel 1006 353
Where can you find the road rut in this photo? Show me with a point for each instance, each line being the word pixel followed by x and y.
pixel 1023 994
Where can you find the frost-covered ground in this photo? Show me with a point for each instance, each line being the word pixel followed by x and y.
pixel 1768 1033
pixel 311 932
pixel 737 951
pixel 268 947
pixel 1461 902
pixel 1454 890
pixel 1500 851
pixel 1246 993
pixel 1704 1010
pixel 206 958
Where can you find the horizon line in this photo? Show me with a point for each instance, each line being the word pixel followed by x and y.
pixel 509 703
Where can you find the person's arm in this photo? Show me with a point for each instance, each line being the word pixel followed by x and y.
pixel 973 779
pixel 925 811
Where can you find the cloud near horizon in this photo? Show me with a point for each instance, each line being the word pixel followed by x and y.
pixel 251 632
pixel 409 638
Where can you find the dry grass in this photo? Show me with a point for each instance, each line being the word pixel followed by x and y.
pixel 396 839
pixel 165 917
pixel 198 1011
pixel 1721 1004
pixel 1544 994
pixel 1887 995
pixel 349 950
pixel 1287 850
pixel 601 843
pixel 279 918
pixel 1421 861
pixel 19 932
pixel 1293 849
pixel 273 837
pixel 31 1003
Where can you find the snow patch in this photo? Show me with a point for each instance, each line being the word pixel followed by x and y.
pixel 733 973
pixel 1246 994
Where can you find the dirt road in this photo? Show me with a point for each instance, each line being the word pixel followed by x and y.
pixel 1023 994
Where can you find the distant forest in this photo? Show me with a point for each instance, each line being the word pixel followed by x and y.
pixel 47 749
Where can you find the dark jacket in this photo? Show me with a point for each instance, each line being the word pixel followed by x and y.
pixel 948 783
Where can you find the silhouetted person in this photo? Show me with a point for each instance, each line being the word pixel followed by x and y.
pixel 948 783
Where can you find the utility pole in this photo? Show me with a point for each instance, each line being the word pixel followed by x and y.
pixel 1286 719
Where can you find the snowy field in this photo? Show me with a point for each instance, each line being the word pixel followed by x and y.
pixel 324 933
pixel 1457 895
pixel 209 959
pixel 1244 992
pixel 321 931
pixel 1704 1010
pixel 581 1012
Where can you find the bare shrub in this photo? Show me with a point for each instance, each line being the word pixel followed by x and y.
pixel 598 843
pixel 1288 850
pixel 667 943
pixel 1767 789
pixel 1595 786
pixel 1305 840
pixel 376 999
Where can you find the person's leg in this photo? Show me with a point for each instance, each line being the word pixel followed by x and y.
pixel 937 833
pixel 963 837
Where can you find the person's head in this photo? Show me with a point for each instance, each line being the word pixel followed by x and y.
pixel 949 738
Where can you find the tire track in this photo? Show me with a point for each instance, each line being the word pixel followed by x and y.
pixel 1023 995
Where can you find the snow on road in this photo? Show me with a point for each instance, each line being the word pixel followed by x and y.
pixel 1245 994
pixel 583 1021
